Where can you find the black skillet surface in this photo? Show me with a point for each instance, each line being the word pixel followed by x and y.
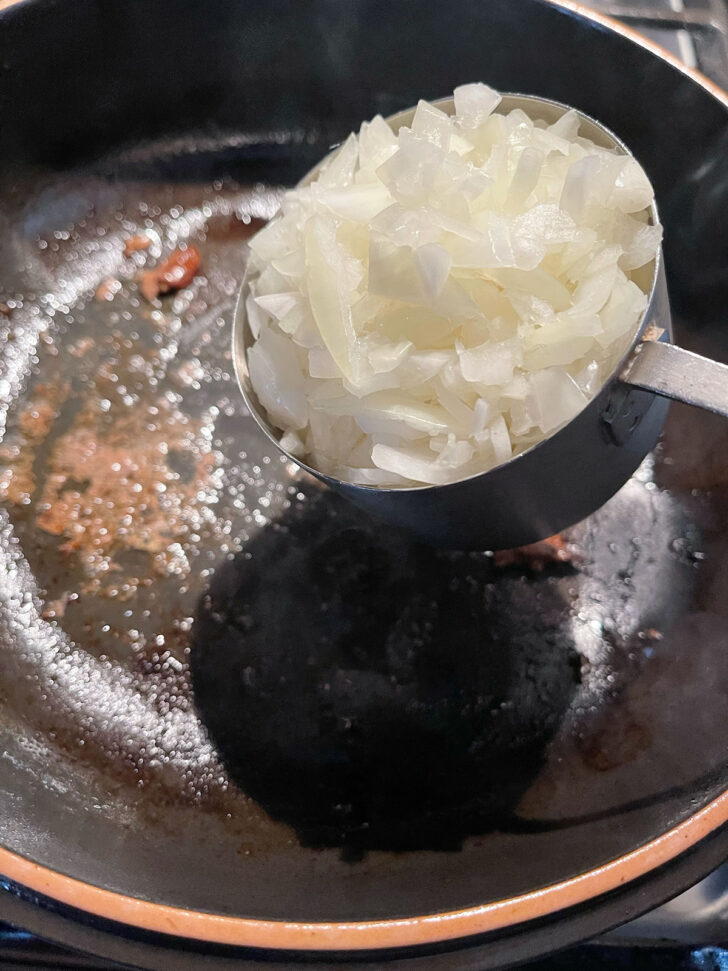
pixel 377 729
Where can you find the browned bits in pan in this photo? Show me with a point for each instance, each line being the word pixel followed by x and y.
pixel 615 743
pixel 536 556
pixel 136 243
pixel 18 478
pixel 56 609
pixel 5 311
pixel 107 288
pixel 81 347
pixel 177 272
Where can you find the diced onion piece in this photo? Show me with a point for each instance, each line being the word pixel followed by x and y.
pixel 257 317
pixel 269 281
pixel 388 404
pixel 625 306
pixel 567 126
pixel 393 272
pixel 500 440
pixel 275 240
pixel 460 144
pixel 327 293
pixel 405 227
pixel 558 398
pixel 561 341
pixel 481 415
pixel 459 412
pixel 577 189
pixel 490 363
pixel 433 124
pixel 563 330
pixel 422 366
pixel 474 103
pixel 434 264
pixel 292 443
pixel 588 378
pixel 377 142
pixel 538 283
pixel 525 178
pixel 414 466
pixel 547 222
pixel 632 191
pixel 278 304
pixel 372 477
pixel 321 364
pixel 387 429
pixel 338 171
pixel 556 354
pixel 276 376
pixel 410 173
pixel 359 203
pixel 386 357
pixel 593 292
pixel 455 454
pixel 640 242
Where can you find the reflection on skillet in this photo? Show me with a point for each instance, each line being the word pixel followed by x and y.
pixel 373 693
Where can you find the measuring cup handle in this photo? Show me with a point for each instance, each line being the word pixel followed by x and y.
pixel 673 372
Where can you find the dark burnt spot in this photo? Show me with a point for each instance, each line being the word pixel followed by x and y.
pixel 615 742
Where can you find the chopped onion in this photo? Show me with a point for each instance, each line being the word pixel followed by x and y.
pixel 474 103
pixel 567 126
pixel 434 264
pixel 327 291
pixel 276 375
pixel 377 143
pixel 257 318
pixel 422 417
pixel 558 398
pixel 411 465
pixel 481 414
pixel 501 440
pixel 292 443
pixel 278 304
pixel 490 363
pixel 321 364
pixel 440 299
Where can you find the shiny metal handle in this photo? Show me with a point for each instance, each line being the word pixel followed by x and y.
pixel 673 372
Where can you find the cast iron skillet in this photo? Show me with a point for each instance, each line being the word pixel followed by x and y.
pixel 240 721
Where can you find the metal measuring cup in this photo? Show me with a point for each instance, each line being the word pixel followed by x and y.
pixel 569 474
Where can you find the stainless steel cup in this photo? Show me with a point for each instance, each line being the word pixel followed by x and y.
pixel 571 473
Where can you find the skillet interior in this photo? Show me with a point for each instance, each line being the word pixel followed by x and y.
pixel 582 736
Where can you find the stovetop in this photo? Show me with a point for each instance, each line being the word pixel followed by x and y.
pixel 691 932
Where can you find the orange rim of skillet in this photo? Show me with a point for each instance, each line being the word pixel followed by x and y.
pixel 405 931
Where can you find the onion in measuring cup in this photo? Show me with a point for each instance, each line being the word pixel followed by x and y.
pixel 438 300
